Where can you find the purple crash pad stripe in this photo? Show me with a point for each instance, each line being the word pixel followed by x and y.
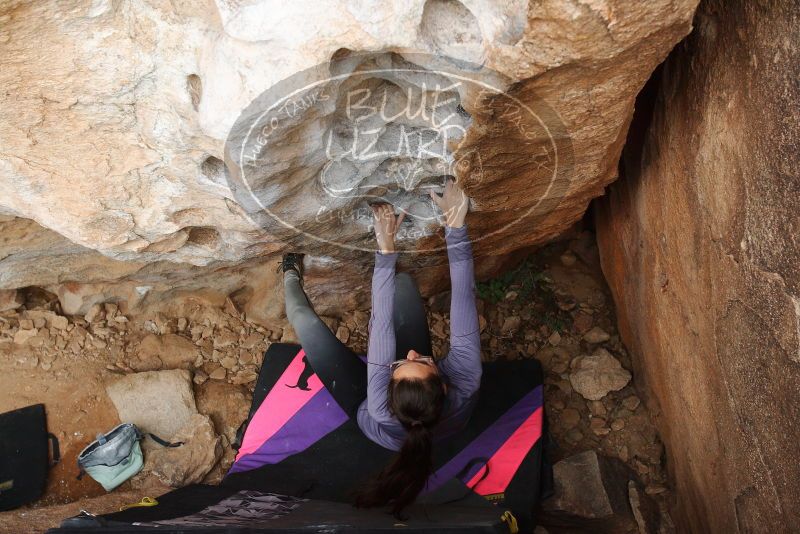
pixel 489 441
pixel 280 404
pixel 316 419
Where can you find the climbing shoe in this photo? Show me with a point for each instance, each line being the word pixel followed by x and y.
pixel 293 261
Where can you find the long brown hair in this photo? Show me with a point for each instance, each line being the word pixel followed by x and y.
pixel 417 404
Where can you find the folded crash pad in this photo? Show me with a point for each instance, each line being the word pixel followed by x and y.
pixel 24 455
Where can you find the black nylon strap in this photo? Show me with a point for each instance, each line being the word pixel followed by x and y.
pixel 164 442
pixel 478 460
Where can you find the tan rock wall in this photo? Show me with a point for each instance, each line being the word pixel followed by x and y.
pixel 114 115
pixel 699 242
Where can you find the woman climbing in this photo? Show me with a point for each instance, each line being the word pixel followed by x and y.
pixel 411 399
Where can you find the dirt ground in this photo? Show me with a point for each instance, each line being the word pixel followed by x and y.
pixel 554 307
pixel 66 368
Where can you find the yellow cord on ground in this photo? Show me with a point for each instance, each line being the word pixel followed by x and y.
pixel 146 501
pixel 511 521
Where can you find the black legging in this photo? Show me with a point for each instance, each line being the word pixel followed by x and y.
pixel 342 372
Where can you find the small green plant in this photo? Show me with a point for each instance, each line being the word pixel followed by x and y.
pixel 534 289
pixel 523 278
pixel 492 290
pixel 554 322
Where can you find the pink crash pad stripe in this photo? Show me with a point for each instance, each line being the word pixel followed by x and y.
pixel 280 405
pixel 504 463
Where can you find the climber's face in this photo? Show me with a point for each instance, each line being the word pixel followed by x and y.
pixel 415 366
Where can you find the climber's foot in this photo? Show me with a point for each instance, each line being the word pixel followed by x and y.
pixel 293 262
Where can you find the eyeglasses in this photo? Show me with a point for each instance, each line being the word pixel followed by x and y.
pixel 427 360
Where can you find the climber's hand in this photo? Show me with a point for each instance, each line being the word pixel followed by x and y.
pixel 454 204
pixel 386 226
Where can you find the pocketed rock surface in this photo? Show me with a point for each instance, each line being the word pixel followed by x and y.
pixel 114 119
pixel 544 310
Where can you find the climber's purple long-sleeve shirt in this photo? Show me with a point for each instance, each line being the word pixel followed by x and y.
pixel 461 369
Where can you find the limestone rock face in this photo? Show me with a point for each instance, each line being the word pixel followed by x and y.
pixel 10 299
pixel 699 244
pixel 170 351
pixel 187 463
pixel 591 493
pixel 226 404
pixel 114 119
pixel 161 402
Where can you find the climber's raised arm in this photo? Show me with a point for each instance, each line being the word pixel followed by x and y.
pixel 381 349
pixel 463 364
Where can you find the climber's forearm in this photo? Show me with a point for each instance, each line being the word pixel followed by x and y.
pixel 463 363
pixel 381 347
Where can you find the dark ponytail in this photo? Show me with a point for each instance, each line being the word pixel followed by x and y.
pixel 417 404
